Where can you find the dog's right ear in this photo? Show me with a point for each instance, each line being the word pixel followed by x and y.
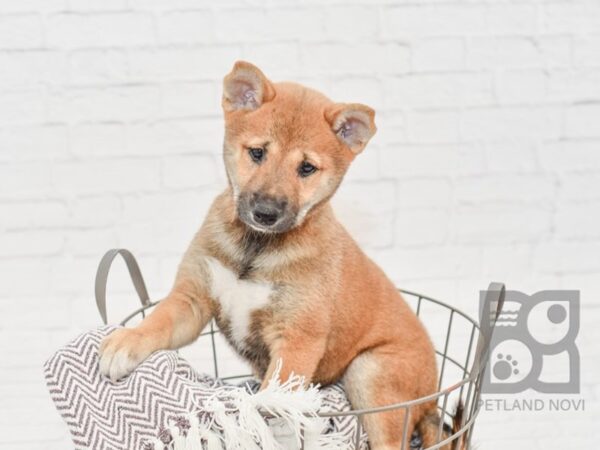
pixel 246 87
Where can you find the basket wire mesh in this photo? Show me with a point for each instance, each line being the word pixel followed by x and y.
pixel 470 368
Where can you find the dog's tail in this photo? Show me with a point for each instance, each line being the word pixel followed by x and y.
pixel 429 427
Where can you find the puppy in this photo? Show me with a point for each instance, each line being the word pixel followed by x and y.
pixel 281 276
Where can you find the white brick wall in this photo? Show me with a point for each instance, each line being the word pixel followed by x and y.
pixel 486 165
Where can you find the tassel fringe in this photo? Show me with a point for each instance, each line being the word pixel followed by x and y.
pixel 279 417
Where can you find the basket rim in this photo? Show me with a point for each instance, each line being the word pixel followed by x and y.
pixel 403 291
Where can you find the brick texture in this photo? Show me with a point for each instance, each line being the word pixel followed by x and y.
pixel 486 165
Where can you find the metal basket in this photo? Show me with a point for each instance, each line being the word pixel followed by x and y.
pixel 470 367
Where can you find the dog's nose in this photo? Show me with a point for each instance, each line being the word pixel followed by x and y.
pixel 268 211
pixel 264 217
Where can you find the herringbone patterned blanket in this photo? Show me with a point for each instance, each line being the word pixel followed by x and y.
pixel 163 400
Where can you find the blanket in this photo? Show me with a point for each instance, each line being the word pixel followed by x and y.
pixel 166 404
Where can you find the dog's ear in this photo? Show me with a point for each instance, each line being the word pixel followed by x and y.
pixel 352 123
pixel 246 87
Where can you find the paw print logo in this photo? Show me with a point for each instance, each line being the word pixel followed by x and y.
pixel 505 367
pixel 532 331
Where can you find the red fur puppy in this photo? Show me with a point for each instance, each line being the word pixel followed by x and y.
pixel 280 275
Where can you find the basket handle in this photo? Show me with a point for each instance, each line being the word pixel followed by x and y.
pixel 102 278
pixel 493 296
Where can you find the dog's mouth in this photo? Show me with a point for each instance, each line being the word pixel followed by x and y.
pixel 264 214
pixel 251 221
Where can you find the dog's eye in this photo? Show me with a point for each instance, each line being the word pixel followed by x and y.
pixel 306 169
pixel 257 154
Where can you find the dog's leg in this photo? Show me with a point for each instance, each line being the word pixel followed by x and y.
pixel 175 322
pixel 380 377
pixel 300 356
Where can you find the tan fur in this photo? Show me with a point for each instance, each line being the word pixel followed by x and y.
pixel 333 313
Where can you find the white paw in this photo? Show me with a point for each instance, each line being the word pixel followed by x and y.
pixel 121 352
pixel 117 365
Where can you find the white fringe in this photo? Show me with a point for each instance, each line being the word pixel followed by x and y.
pixel 237 423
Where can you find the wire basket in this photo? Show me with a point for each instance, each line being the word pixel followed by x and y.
pixel 461 366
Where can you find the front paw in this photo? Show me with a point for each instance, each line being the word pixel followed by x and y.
pixel 122 351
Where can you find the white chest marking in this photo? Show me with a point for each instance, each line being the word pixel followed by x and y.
pixel 238 298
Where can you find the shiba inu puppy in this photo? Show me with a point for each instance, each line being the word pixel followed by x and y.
pixel 279 274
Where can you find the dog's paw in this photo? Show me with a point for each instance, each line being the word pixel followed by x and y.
pixel 122 351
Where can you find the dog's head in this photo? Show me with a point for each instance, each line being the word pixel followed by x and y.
pixel 286 147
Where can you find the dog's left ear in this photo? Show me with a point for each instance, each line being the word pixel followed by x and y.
pixel 353 124
pixel 246 87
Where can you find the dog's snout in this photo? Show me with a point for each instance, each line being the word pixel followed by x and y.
pixel 266 210
pixel 266 217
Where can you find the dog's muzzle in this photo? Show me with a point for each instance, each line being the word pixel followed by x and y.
pixel 265 213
